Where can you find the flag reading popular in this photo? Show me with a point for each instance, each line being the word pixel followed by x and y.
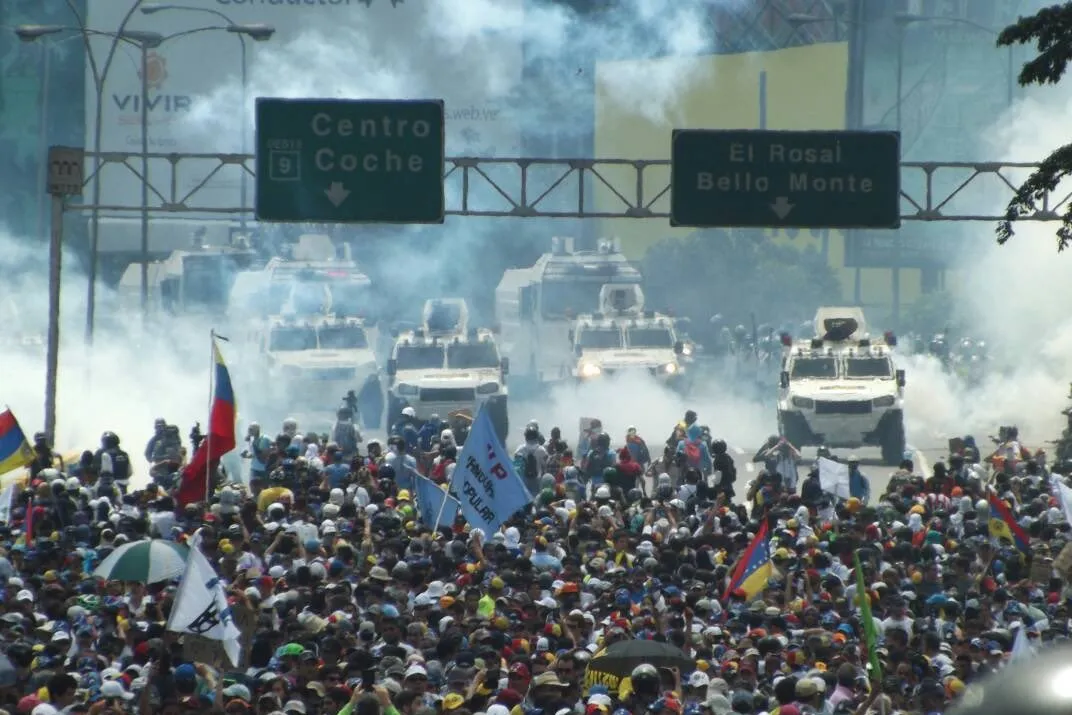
pixel 485 483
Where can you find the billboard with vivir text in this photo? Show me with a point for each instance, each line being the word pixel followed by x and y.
pixel 344 49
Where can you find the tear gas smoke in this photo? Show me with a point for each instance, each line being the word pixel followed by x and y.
pixel 470 53
pixel 131 378
pixel 1016 298
pixel 653 409
pixel 453 50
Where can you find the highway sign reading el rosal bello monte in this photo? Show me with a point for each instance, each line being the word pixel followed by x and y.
pixel 793 179
pixel 350 161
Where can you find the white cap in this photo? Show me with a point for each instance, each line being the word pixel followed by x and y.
pixel 415 669
pixel 114 689
pixel 24 595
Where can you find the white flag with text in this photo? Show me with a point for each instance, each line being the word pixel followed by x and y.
pixel 201 606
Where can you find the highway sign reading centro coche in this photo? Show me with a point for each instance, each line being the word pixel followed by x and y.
pixel 350 161
pixel 792 179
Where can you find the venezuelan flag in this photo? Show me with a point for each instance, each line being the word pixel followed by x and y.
pixel 1004 526
pixel 220 440
pixel 754 569
pixel 15 449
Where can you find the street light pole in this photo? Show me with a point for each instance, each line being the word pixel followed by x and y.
pixel 42 165
pixel 259 33
pixel 145 41
pixel 144 179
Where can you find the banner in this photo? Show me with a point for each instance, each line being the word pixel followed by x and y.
pixel 834 477
pixel 485 483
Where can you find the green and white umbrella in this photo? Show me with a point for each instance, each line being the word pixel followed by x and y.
pixel 149 561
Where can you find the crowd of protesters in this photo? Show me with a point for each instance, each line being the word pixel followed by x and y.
pixel 627 586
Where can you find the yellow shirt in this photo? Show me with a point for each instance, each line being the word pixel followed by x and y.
pixel 271 495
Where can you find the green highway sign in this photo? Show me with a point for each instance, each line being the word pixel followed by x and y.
pixel 349 161
pixel 792 179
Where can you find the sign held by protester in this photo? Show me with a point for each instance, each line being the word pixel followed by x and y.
pixel 201 607
pixel 199 649
pixel 485 483
pixel 834 477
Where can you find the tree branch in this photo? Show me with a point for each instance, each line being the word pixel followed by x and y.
pixel 1042 182
pixel 1049 29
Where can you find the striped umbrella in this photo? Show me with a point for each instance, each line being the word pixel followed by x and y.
pixel 149 561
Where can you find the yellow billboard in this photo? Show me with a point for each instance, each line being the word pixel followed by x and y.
pixel 795 88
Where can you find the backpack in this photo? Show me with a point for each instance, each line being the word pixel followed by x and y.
pixel 120 464
pixel 693 454
pixel 532 467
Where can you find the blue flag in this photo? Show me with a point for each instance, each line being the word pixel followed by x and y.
pixel 430 500
pixel 485 482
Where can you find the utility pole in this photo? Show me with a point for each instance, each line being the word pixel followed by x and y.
pixel 66 172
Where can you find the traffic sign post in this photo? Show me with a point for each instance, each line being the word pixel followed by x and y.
pixel 791 179
pixel 66 174
pixel 350 161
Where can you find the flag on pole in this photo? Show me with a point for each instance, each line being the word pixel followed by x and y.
pixel 484 483
pixel 430 503
pixel 201 607
pixel 15 449
pixel 863 598
pixel 754 569
pixel 1003 525
pixel 220 440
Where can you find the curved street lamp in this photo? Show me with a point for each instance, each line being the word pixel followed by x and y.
pixel 145 41
pixel 258 32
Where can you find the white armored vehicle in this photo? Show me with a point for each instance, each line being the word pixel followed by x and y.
pixel 446 366
pixel 317 278
pixel 316 362
pixel 198 280
pixel 623 338
pixel 841 388
pixel 536 307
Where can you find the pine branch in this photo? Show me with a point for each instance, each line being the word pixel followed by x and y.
pixel 1042 182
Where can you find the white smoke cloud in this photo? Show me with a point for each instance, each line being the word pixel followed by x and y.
pixel 131 377
pixel 455 50
pixel 654 410
pixel 1013 296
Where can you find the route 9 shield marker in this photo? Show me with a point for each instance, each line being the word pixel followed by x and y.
pixel 791 179
pixel 350 161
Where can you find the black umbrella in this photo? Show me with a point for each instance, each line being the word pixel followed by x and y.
pixel 620 658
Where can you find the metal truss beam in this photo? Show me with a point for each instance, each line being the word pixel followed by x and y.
pixel 573 188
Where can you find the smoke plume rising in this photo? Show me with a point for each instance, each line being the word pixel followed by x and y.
pixel 1013 296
